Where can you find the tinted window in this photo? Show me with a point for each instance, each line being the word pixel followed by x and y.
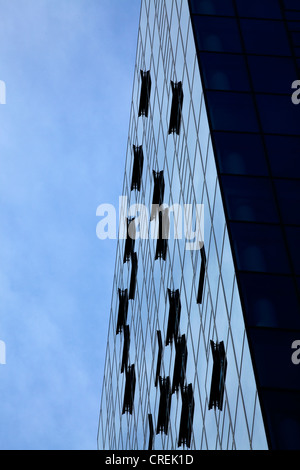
pixel 259 248
pixel 224 71
pixel 232 111
pixel 259 8
pixel 265 37
pixel 217 34
pixel 293 236
pixel 291 4
pixel 249 199
pixel 278 114
pixel 212 7
pixel 272 74
pixel 288 192
pixel 284 155
pixel 266 297
pixel 240 153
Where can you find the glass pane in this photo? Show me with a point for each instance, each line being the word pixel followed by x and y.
pixel 259 248
pixel 232 111
pixel 212 7
pixel 249 199
pixel 284 155
pixel 224 71
pixel 278 114
pixel 265 37
pixel 217 34
pixel 288 192
pixel 259 8
pixel 293 236
pixel 266 297
pixel 272 74
pixel 240 153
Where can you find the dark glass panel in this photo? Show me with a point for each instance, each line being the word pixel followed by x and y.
pixel 278 114
pixel 240 153
pixel 288 192
pixel 293 236
pixel 232 111
pixel 224 71
pixel 292 15
pixel 294 25
pixel 282 411
pixel 272 74
pixel 217 34
pixel 296 38
pixel 284 155
pixel 273 351
pixel 266 297
pixel 259 248
pixel 249 199
pixel 291 4
pixel 259 8
pixel 265 37
pixel 212 7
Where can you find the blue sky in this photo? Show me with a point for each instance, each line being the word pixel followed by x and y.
pixel 68 68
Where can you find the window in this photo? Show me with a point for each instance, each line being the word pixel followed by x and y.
pixel 202 275
pixel 174 315
pixel 288 196
pixel 180 363
pixel 164 405
pixel 187 416
pixel 145 93
pixel 212 7
pixel 289 166
pixel 126 346
pixel 217 34
pixel 224 71
pixel 134 267
pixel 163 234
pixel 130 240
pixel 137 170
pixel 129 390
pixel 272 74
pixel 265 37
pixel 158 192
pixel 258 9
pixel 159 357
pixel 278 115
pixel 151 432
pixel 218 375
pixel 123 309
pixel 176 108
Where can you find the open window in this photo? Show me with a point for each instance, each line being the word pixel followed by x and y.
pixel 176 108
pixel 129 390
pixel 158 192
pixel 202 275
pixel 126 347
pixel 174 315
pixel 123 309
pixel 137 169
pixel 218 375
pixel 151 432
pixel 163 234
pixel 159 357
pixel 187 416
pixel 134 268
pixel 164 405
pixel 130 239
pixel 180 363
pixel 145 93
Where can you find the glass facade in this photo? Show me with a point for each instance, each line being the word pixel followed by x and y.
pixel 202 358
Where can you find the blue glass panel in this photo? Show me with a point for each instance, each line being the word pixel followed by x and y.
pixel 284 155
pixel 240 153
pixel 266 297
pixel 273 357
pixel 272 74
pixel 232 111
pixel 293 236
pixel 224 71
pixel 282 410
pixel 249 199
pixel 291 4
pixel 259 247
pixel 288 192
pixel 259 9
pixel 212 7
pixel 217 34
pixel 265 37
pixel 278 114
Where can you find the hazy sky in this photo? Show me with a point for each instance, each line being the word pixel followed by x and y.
pixel 68 68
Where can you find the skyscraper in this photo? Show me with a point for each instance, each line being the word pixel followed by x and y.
pixel 202 343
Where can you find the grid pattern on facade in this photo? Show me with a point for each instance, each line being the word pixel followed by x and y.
pixel 166 48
